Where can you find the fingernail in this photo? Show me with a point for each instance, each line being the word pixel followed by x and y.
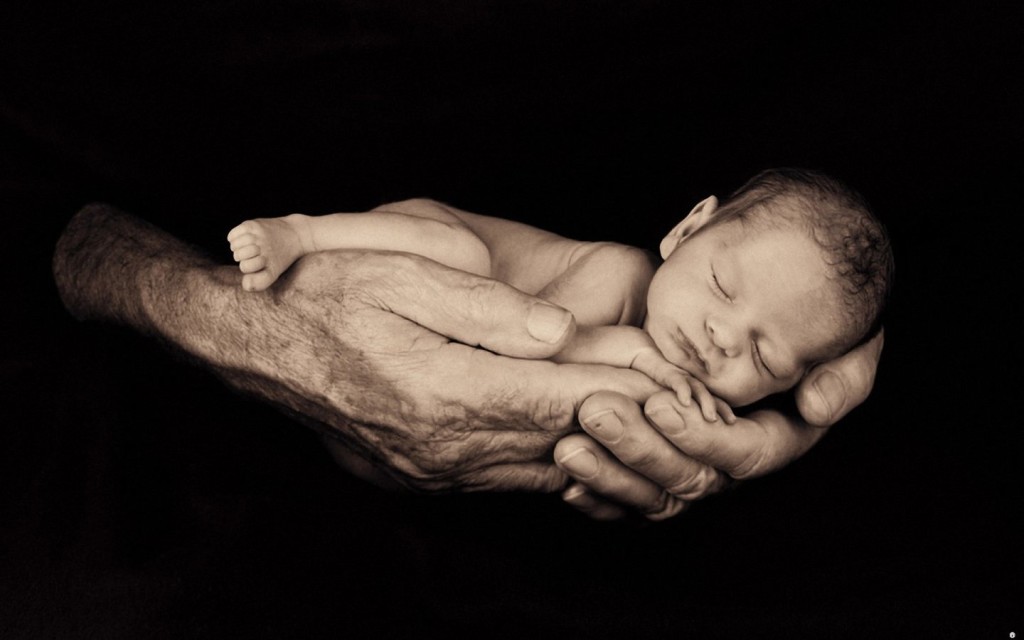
pixel 830 389
pixel 581 463
pixel 668 421
pixel 547 323
pixel 604 424
pixel 574 493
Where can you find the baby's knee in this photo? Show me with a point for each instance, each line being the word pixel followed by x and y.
pixel 412 206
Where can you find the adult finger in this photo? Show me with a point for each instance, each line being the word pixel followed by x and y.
pixel 581 499
pixel 587 462
pixel 546 394
pixel 541 477
pixel 755 445
pixel 834 388
pixel 616 422
pixel 465 307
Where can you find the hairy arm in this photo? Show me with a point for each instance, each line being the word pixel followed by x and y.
pixel 339 344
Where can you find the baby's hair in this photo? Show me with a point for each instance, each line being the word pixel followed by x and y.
pixel 839 219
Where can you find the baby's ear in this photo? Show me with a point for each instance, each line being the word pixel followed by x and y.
pixel 697 218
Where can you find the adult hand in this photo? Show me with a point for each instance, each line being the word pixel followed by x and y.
pixel 657 461
pixel 340 343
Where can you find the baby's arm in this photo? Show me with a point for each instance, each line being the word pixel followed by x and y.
pixel 606 289
pixel 266 247
pixel 625 346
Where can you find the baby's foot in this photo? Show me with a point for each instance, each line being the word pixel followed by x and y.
pixel 265 247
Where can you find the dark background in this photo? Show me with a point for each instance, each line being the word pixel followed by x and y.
pixel 139 498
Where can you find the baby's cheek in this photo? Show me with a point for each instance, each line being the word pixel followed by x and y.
pixel 738 391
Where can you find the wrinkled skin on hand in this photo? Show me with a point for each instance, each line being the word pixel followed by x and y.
pixel 339 344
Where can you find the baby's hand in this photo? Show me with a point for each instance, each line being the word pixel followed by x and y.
pixel 686 387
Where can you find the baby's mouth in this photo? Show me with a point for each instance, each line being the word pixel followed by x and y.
pixel 691 351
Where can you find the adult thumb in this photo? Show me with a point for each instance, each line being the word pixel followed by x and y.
pixel 833 389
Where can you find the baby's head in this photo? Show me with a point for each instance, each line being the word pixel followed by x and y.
pixel 791 270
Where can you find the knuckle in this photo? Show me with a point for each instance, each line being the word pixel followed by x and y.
pixel 429 466
pixel 411 473
pixel 602 401
pixel 554 414
pixel 551 479
pixel 366 279
pixel 505 478
pixel 665 506
pixel 639 457
pixel 423 475
pixel 694 486
pixel 757 462
pixel 426 458
pixel 570 443
pixel 659 401
pixel 480 294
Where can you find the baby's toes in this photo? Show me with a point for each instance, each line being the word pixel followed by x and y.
pixel 250 227
pixel 257 281
pixel 246 252
pixel 243 240
pixel 252 265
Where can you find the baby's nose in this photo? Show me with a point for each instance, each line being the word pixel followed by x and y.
pixel 723 337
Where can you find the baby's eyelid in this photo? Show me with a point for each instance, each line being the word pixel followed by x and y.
pixel 760 358
pixel 718 285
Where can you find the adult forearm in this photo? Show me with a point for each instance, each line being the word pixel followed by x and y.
pixel 105 260
pixel 114 267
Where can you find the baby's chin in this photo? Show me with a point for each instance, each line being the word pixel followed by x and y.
pixel 732 398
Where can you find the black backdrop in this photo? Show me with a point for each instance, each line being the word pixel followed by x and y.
pixel 140 498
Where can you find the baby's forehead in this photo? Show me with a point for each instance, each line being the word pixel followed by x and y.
pixel 794 283
pixel 772 241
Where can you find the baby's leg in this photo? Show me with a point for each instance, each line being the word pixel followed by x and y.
pixel 265 247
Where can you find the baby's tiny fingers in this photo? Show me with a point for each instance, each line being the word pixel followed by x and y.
pixel 681 386
pixel 725 411
pixel 706 402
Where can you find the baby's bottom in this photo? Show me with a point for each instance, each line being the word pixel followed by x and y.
pixel 359 466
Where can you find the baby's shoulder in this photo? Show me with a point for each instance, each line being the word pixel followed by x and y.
pixel 620 274
pixel 619 262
